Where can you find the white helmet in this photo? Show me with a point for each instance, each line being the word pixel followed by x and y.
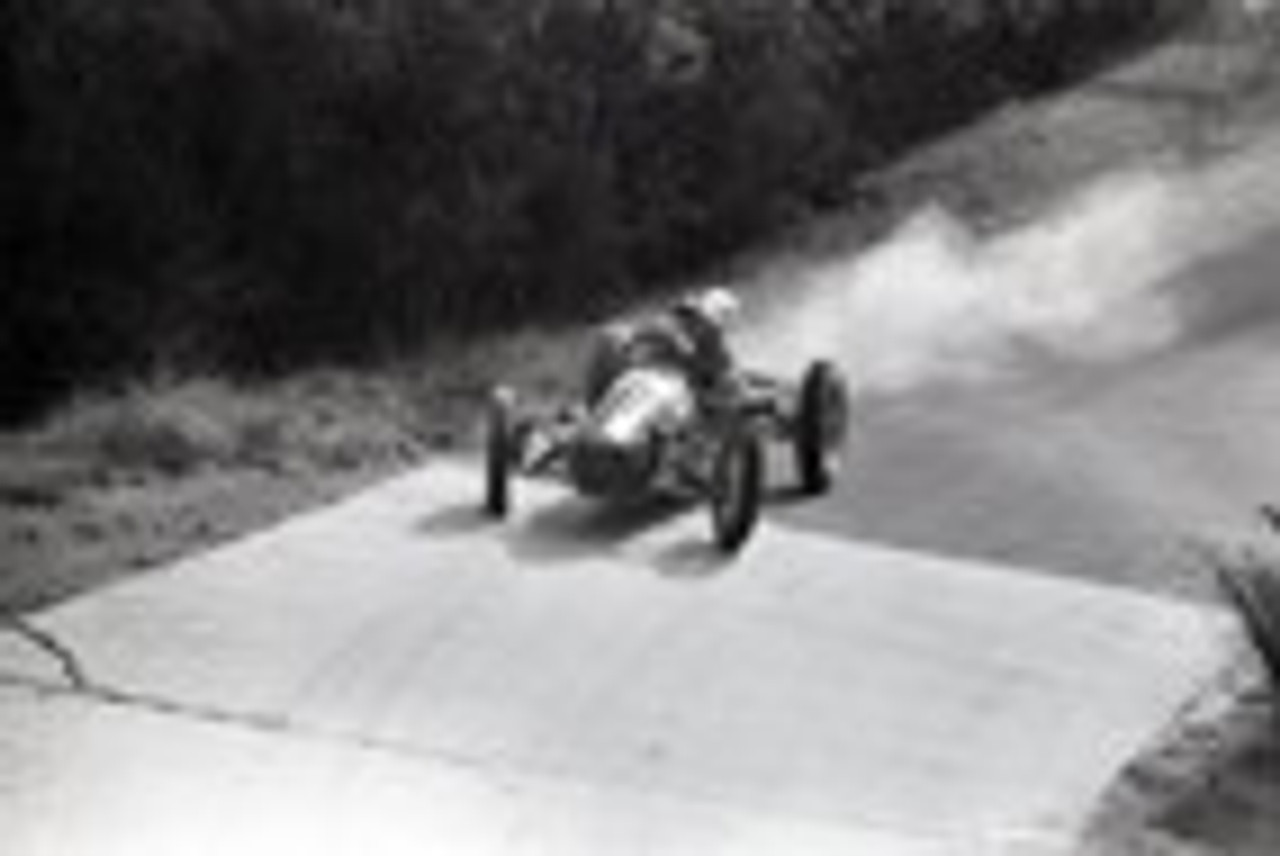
pixel 718 307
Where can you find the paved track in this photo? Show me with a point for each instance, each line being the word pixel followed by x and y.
pixel 1099 468
pixel 395 675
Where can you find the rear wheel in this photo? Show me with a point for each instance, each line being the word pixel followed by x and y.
pixel 736 483
pixel 822 420
pixel 500 452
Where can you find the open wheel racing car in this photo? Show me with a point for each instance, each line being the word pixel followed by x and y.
pixel 647 433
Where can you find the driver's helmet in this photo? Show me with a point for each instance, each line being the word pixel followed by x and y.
pixel 715 308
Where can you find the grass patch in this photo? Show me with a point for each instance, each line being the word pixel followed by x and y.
pixel 115 482
pixel 318 420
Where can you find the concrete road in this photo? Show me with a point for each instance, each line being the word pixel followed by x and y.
pixel 1104 468
pixel 397 675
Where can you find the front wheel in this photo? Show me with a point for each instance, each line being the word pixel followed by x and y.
pixel 822 420
pixel 736 485
pixel 500 453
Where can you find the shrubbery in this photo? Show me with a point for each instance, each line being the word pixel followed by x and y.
pixel 257 184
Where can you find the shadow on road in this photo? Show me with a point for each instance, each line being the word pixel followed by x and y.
pixel 571 528
pixel 692 561
pixel 576 528
pixel 455 520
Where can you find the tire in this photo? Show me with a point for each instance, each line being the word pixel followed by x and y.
pixel 499 453
pixel 821 422
pixel 736 487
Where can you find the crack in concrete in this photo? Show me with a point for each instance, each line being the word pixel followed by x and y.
pixel 68 661
pixel 262 723
pixel 506 781
pixel 79 685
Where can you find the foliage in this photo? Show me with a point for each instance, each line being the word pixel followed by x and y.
pixel 262 184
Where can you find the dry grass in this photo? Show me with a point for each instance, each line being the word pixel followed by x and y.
pixel 320 420
pixel 116 482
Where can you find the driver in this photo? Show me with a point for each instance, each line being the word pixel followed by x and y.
pixel 691 336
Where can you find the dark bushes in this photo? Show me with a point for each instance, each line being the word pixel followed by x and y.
pixel 257 184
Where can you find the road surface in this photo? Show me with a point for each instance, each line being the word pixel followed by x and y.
pixel 1108 469
pixel 397 675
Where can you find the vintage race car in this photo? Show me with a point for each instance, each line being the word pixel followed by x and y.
pixel 647 433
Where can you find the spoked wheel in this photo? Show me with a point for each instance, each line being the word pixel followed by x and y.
pixel 500 452
pixel 822 420
pixel 736 484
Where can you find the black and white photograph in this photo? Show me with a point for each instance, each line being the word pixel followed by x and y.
pixel 639 427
